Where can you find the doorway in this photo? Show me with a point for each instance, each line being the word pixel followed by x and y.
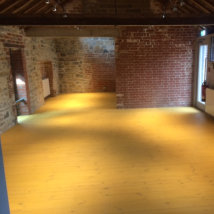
pixel 202 74
pixel 47 79
pixel 19 78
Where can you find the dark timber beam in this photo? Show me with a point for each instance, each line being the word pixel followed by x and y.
pixel 182 10
pixel 192 9
pixel 13 8
pixel 33 9
pixel 199 6
pixel 208 5
pixel 7 5
pixel 105 21
pixel 71 31
pixel 26 6
pixel 4 205
pixel 43 8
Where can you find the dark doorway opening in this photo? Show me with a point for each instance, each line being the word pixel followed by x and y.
pixel 47 79
pixel 20 83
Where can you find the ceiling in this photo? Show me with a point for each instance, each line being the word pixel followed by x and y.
pixel 106 12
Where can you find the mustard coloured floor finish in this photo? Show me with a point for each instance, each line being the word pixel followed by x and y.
pixel 80 155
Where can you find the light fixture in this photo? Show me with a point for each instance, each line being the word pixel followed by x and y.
pixel 47 1
pixel 182 3
pixel 54 9
pixel 175 9
pixel 65 15
pixel 171 6
pixel 203 32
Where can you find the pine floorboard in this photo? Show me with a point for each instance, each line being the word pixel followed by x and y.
pixel 80 155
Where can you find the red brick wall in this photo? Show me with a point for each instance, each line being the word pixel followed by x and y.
pixel 155 66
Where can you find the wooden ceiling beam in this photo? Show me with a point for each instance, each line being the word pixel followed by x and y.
pixel 181 11
pixel 209 20
pixel 7 6
pixel 4 4
pixel 199 6
pixel 32 9
pixel 208 5
pixel 42 9
pixel 192 9
pixel 26 6
pixel 15 7
pixel 184 10
pixel 49 9
pixel 71 31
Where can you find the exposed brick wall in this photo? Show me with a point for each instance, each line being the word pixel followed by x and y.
pixel 38 51
pixel 12 36
pixel 35 52
pixel 154 66
pixel 86 64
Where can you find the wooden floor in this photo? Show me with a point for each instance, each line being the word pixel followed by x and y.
pixel 78 154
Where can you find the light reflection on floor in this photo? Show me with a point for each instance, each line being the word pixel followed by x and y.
pixel 78 154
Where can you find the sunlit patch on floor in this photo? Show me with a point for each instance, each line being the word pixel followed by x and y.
pixel 79 154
